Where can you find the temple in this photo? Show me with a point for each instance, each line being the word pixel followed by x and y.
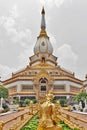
pixel 43 74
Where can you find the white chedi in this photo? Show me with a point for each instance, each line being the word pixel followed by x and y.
pixel 43 45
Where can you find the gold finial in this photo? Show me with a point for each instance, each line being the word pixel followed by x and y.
pixel 43 11
pixel 43 33
pixel 86 76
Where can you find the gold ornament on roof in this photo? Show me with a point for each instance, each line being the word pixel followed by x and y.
pixel 43 73
pixel 43 44
pixel 43 33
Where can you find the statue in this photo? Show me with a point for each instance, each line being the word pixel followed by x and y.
pixel 57 108
pixel 31 107
pixel 48 119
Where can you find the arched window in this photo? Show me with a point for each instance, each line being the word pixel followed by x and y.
pixel 43 81
pixel 43 59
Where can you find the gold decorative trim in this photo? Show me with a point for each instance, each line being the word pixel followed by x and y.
pixel 43 33
pixel 43 73
pixel 12 89
pixel 74 89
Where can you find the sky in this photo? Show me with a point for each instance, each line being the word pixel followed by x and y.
pixel 66 25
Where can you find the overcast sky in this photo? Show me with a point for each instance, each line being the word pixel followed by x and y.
pixel 66 22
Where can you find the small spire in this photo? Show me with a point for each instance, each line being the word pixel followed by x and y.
pixel 43 11
pixel 43 24
pixel 86 76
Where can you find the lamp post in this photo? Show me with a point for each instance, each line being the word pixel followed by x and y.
pixel 1 108
pixel 1 103
pixel 0 81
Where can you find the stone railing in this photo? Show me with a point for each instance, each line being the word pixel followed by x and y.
pixel 73 121
pixel 19 120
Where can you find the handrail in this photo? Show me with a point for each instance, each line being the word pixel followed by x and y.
pixel 69 122
pixel 24 116
pixel 80 119
pixel 21 122
pixel 15 117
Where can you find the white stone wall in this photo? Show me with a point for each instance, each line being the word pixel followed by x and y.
pixel 85 84
pixel 48 62
pixel 52 57
pixel 36 63
pixel 34 57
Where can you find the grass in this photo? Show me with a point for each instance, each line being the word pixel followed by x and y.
pixel 33 124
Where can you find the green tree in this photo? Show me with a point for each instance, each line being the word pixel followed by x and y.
pixel 3 92
pixel 81 96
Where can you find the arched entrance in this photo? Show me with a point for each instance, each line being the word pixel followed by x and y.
pixel 43 87
pixel 43 83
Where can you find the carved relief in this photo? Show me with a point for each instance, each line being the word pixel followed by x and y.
pixel 74 89
pixel 43 73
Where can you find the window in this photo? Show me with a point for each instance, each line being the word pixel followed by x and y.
pixel 43 88
pixel 29 72
pixel 74 89
pixel 43 59
pixel 59 87
pixel 59 97
pixel 27 87
pixel 43 81
pixel 28 97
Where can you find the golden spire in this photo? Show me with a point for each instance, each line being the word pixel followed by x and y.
pixel 43 24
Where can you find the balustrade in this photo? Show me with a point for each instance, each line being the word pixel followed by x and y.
pixel 18 121
pixel 21 119
pixel 71 120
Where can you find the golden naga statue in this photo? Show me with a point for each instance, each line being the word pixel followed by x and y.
pixel 31 107
pixel 48 119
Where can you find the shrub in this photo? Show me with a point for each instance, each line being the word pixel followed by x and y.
pixel 27 101
pixel 5 107
pixel 34 101
pixel 21 103
pixel 62 102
